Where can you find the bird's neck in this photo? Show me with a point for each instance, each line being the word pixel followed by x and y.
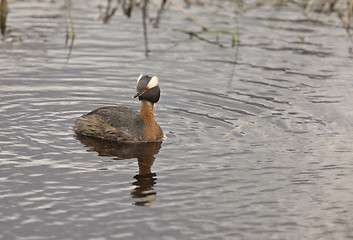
pixel 151 129
pixel 146 111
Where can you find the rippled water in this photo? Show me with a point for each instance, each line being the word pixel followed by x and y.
pixel 258 138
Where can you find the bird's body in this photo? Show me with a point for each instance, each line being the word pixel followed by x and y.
pixel 122 124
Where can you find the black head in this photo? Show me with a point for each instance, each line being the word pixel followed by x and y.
pixel 147 88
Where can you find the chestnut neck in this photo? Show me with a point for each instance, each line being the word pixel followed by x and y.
pixel 151 130
pixel 146 111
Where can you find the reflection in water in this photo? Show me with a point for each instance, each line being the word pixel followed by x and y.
pixel 144 192
pixel 144 152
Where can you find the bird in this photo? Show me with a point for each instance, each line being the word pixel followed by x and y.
pixel 123 124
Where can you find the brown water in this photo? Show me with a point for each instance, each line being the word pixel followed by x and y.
pixel 258 138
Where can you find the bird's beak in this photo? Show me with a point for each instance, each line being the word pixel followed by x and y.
pixel 140 93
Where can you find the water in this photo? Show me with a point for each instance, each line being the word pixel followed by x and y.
pixel 257 137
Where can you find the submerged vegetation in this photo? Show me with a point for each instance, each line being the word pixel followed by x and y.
pixel 312 10
pixel 127 7
pixel 342 8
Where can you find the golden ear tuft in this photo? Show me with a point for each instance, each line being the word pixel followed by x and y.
pixel 153 82
pixel 141 76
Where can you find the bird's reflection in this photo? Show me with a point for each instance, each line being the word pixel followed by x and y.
pixel 143 193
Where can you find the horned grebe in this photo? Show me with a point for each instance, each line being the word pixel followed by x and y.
pixel 122 124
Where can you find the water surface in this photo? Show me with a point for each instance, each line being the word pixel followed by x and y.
pixel 258 138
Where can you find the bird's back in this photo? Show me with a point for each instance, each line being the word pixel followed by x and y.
pixel 116 123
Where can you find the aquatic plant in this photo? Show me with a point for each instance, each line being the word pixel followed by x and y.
pixel 108 13
pixel 67 36
pixel 127 7
pixel 342 8
pixel 3 15
pixel 312 9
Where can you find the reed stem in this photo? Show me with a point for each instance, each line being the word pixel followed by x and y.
pixel 3 15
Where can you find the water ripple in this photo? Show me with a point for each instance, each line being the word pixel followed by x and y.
pixel 257 138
